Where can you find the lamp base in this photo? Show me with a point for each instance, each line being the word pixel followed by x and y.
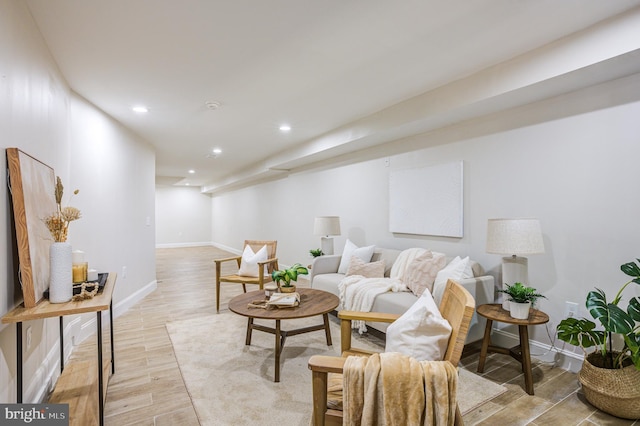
pixel 514 270
pixel 326 245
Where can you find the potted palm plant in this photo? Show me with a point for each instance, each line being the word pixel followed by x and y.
pixel 286 276
pixel 521 298
pixel 610 374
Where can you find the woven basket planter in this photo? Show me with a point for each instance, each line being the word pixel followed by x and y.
pixel 614 391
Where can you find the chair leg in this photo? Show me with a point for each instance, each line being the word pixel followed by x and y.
pixel 319 383
pixel 244 287
pixel 217 296
pixel 218 270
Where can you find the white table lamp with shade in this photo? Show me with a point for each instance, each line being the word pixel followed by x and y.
pixel 514 237
pixel 326 226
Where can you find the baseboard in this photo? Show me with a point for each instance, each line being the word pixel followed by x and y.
pixel 548 354
pixel 124 305
pixel 226 248
pixel 178 245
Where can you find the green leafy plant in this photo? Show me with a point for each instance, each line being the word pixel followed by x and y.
pixel 582 332
pixel 285 276
pixel 316 252
pixel 520 293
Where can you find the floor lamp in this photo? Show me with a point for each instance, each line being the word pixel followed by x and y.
pixel 514 237
pixel 326 226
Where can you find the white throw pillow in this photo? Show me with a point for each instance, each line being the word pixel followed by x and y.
pixel 458 269
pixel 350 249
pixel 249 262
pixel 420 332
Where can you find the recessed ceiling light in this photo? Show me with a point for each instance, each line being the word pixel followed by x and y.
pixel 285 128
pixel 140 109
pixel 192 171
pixel 187 184
pixel 217 151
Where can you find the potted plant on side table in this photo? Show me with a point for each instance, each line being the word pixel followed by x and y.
pixel 286 276
pixel 610 376
pixel 521 298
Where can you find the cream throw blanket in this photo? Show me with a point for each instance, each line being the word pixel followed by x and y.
pixel 358 293
pixel 394 389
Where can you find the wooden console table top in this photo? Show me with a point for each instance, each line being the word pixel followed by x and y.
pixel 46 309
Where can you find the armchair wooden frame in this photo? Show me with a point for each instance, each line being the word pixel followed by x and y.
pixel 271 264
pixel 457 307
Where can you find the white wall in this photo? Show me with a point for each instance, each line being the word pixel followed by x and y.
pixel 183 216
pixel 113 169
pixel 573 168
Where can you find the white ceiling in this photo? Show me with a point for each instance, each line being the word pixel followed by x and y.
pixel 321 66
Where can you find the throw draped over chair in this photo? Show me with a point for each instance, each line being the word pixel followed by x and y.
pixel 457 307
pixel 265 268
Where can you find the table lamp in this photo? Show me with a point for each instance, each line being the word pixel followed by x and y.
pixel 514 237
pixel 326 226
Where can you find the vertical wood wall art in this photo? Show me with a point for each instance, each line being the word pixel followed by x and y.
pixel 32 192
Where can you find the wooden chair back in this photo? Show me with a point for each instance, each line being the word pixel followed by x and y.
pixel 457 307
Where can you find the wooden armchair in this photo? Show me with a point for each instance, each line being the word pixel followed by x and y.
pixel 271 265
pixel 457 307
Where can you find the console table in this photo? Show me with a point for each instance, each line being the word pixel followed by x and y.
pixel 44 309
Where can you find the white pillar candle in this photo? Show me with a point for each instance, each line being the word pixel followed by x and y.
pixel 77 256
pixel 92 275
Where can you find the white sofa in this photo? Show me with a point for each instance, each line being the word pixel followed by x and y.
pixel 324 276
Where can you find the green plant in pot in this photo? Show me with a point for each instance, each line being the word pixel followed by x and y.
pixel 287 276
pixel 316 252
pixel 521 298
pixel 610 374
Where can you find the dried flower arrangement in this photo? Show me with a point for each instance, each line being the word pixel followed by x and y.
pixel 58 222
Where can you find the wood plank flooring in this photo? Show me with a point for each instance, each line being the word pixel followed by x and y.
pixel 147 388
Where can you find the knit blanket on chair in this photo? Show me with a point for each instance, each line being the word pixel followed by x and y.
pixel 358 293
pixel 394 389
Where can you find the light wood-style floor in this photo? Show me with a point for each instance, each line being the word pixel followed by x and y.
pixel 147 388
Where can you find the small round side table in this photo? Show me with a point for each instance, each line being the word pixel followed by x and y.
pixel 494 312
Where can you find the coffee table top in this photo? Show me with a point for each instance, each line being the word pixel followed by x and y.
pixel 312 302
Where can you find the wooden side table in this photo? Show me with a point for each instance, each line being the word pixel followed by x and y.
pixel 494 312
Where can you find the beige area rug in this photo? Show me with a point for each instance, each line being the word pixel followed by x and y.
pixel 232 384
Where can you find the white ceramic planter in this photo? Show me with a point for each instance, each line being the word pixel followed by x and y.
pixel 519 310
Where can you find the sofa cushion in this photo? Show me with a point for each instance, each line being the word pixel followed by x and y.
pixel 367 270
pixel 388 255
pixel 350 250
pixel 422 271
pixel 421 332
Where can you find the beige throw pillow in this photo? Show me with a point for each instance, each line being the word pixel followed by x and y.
pixel 422 271
pixel 367 269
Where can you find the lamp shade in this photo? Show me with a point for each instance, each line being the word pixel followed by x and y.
pixel 514 236
pixel 326 225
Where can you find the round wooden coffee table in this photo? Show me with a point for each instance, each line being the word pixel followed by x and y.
pixel 312 303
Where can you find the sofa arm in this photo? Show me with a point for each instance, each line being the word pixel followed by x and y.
pixel 483 291
pixel 326 264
